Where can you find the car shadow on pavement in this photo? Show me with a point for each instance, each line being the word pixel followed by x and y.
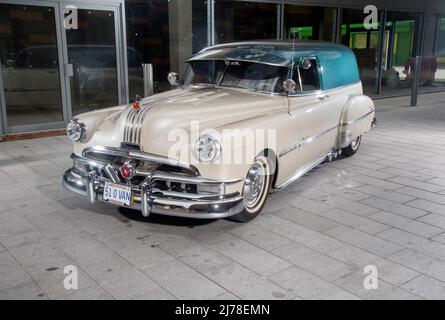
pixel 135 215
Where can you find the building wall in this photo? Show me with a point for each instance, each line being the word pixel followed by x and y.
pixel 165 33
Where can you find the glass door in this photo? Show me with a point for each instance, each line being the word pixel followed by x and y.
pixel 93 58
pixel 30 67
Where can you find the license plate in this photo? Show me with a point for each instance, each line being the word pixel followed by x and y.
pixel 117 194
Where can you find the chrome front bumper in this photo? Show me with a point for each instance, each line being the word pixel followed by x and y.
pixel 148 200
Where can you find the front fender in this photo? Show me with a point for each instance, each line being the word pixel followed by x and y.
pixel 93 120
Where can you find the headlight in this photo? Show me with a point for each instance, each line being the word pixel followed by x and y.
pixel 207 149
pixel 76 130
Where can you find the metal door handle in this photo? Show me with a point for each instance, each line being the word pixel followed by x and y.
pixel 323 97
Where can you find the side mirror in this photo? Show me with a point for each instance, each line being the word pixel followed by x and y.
pixel 305 64
pixel 173 78
pixel 289 86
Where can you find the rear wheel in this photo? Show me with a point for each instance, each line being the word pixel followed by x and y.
pixel 353 147
pixel 255 190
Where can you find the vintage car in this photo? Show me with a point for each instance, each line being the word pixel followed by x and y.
pixel 246 119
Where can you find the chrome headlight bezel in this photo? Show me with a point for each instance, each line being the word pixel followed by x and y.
pixel 76 130
pixel 207 149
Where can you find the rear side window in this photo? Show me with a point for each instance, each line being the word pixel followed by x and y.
pixel 306 77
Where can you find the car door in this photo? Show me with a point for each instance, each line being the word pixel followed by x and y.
pixel 315 113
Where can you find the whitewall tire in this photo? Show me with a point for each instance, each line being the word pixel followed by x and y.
pixel 255 190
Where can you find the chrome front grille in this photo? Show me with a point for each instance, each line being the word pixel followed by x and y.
pixel 163 177
pixel 159 185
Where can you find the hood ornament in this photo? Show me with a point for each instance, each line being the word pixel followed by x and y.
pixel 137 102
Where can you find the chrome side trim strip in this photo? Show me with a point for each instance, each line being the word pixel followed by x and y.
pixel 317 136
pixel 301 172
pixel 305 141
pixel 358 119
pixel 301 143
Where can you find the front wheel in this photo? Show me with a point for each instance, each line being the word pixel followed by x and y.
pixel 255 190
pixel 353 147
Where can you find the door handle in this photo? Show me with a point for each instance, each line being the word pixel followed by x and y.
pixel 323 97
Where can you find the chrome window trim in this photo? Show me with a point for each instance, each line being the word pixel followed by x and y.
pixel 318 92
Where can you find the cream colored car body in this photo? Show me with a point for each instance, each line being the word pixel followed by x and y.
pixel 309 128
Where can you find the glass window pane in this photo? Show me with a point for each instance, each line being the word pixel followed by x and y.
pixel 439 57
pixel 309 23
pixel 308 77
pixel 92 52
pixel 165 34
pixel 364 43
pixel 30 64
pixel 401 37
pixel 234 21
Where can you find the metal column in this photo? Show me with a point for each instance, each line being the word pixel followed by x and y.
pixel 148 79
pixel 415 81
pixel 382 28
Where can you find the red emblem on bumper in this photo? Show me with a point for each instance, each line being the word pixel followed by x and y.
pixel 127 171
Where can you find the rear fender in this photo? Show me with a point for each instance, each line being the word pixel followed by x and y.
pixel 356 119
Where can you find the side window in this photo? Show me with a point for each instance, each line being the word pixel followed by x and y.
pixel 308 73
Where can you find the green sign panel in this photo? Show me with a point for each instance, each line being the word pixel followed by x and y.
pixel 295 30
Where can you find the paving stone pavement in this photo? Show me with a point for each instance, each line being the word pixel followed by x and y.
pixel 383 207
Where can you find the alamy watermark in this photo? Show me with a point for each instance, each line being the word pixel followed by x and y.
pixel 71 281
pixel 371 21
pixel 238 145
pixel 371 281
pixel 71 21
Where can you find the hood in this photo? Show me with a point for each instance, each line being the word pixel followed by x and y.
pixel 162 117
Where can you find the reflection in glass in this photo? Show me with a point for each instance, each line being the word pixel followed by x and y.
pixel 92 52
pixel 236 20
pixel 30 64
pixel 165 34
pixel 401 39
pixel 249 76
pixel 439 55
pixel 309 23
pixel 365 44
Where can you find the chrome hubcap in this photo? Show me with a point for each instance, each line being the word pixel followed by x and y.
pixel 254 185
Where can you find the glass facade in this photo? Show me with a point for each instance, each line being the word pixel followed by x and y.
pixel 92 54
pixel 403 44
pixel 439 54
pixel 30 65
pixel 36 52
pixel 242 20
pixel 309 23
pixel 164 34
pixel 364 43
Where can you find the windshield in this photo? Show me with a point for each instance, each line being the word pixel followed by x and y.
pixel 236 74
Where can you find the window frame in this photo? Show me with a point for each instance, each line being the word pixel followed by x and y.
pixel 296 68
